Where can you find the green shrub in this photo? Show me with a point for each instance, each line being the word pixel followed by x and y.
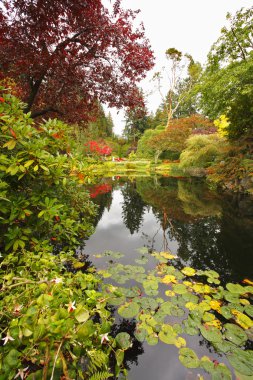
pixel 202 151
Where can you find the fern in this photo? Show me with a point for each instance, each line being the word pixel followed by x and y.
pixel 101 376
pixel 98 361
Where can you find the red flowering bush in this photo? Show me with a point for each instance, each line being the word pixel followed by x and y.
pixel 98 148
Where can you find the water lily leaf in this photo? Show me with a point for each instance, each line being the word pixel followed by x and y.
pixel 129 310
pixel 179 288
pixel 249 333
pixel 240 376
pixel 242 361
pixel 140 334
pixel 208 317
pixel 249 310
pixel 148 303
pixel 168 279
pixel 226 312
pixel 85 330
pixel 221 372
pixel 189 297
pixel 177 328
pixel 152 339
pixel 188 271
pixel 232 297
pixel 215 305
pixel 169 293
pixel 244 301
pixel 167 334
pixel 235 334
pixel 224 346
pixel 180 342
pixel 211 333
pixel 123 340
pixel 188 358
pixel 116 301
pixel 168 255
pixel 142 260
pixel 166 307
pixel 142 250
pixel 235 288
pixel 248 289
pixel 201 288
pixel 242 319
pixel 206 364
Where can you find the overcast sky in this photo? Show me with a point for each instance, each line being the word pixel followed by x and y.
pixel 191 26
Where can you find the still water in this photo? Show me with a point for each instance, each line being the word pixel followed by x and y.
pixel 206 230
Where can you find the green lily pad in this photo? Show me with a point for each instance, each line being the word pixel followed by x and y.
pixel 249 310
pixel 235 334
pixel 140 334
pixel 123 340
pixel 242 361
pixel 152 339
pixel 188 358
pixel 179 288
pixel 129 310
pixel 211 333
pixel 235 288
pixel 167 334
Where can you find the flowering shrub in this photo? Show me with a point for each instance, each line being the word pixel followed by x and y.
pixel 100 149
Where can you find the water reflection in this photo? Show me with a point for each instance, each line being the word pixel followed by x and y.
pixel 205 229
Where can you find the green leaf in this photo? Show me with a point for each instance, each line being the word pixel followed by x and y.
pixel 211 333
pixel 242 361
pixel 179 288
pixel 129 310
pixel 235 288
pixel 82 315
pixel 235 334
pixel 119 357
pixel 167 334
pixel 123 340
pixel 188 358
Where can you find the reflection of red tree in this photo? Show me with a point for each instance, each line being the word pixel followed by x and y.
pixel 100 189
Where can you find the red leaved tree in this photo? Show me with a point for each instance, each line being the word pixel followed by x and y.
pixel 67 54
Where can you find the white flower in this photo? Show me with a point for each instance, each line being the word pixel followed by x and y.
pixel 7 338
pixel 56 280
pixel 104 338
pixel 21 373
pixel 71 306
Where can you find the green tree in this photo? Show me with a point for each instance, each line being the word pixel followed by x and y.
pixel 226 85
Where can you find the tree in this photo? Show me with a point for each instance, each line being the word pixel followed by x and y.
pixel 174 138
pixel 137 121
pixel 179 88
pixel 226 86
pixel 66 55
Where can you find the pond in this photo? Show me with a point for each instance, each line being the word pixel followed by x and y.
pixel 205 230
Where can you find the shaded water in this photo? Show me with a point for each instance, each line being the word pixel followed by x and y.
pixel 205 229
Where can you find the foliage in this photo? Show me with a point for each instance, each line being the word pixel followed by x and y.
pixel 63 55
pixel 137 121
pixel 143 150
pixel 40 172
pixel 175 136
pixel 54 321
pixel 220 314
pixel 226 85
pixel 201 151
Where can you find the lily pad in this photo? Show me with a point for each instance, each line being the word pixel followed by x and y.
pixel 179 288
pixel 242 361
pixel 235 334
pixel 152 339
pixel 167 334
pixel 188 271
pixel 235 288
pixel 211 333
pixel 188 358
pixel 123 340
pixel 140 334
pixel 249 310
pixel 129 310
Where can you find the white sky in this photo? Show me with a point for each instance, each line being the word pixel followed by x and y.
pixel 190 26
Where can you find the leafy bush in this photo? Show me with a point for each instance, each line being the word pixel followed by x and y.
pixel 201 151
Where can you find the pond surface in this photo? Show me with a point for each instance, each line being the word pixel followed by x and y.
pixel 206 230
